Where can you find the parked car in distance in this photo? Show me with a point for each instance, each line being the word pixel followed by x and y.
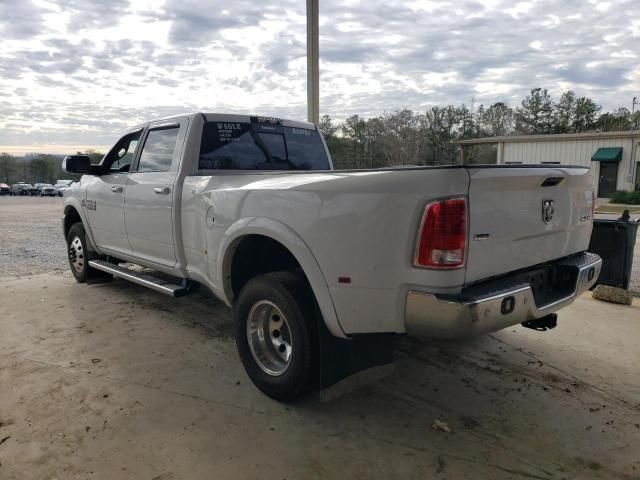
pixel 22 188
pixel 46 190
pixel 61 188
pixel 5 189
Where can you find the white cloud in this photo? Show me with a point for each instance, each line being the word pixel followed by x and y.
pixel 79 71
pixel 425 5
pixel 520 8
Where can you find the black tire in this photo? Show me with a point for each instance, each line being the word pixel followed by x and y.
pixel 291 295
pixel 78 254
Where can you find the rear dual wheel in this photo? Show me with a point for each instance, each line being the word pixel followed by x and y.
pixel 275 331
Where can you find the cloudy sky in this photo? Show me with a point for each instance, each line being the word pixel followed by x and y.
pixel 75 73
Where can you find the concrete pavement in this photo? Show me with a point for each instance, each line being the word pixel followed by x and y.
pixel 115 381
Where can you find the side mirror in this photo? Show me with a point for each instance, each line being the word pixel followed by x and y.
pixel 76 164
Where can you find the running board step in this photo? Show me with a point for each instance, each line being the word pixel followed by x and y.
pixel 154 283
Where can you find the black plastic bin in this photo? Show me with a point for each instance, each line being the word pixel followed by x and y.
pixel 614 240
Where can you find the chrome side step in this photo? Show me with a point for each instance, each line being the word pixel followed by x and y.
pixel 154 283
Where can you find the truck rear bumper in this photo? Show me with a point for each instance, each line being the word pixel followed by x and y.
pixel 503 302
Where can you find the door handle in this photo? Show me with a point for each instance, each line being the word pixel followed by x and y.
pixel 162 190
pixel 117 189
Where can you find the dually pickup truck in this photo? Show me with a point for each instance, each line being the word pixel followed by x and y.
pixel 251 208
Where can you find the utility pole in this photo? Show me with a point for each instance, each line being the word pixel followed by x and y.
pixel 634 145
pixel 313 74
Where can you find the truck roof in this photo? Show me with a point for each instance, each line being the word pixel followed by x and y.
pixel 232 117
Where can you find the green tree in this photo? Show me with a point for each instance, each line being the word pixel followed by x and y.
pixel 397 136
pixel 497 120
pixel 564 114
pixel 40 170
pixel 339 147
pixel 329 130
pixel 619 119
pixel 441 125
pixel 8 167
pixel 353 129
pixel 374 142
pixel 535 114
pixel 586 115
pixel 468 127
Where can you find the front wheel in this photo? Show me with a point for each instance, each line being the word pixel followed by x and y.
pixel 274 321
pixel 78 253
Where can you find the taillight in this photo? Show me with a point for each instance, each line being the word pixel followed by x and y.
pixel 443 235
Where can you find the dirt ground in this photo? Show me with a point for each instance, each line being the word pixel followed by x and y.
pixel 31 236
pixel 115 381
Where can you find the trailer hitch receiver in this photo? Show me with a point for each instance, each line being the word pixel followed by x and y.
pixel 542 324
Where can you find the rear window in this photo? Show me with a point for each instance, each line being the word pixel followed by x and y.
pixel 260 146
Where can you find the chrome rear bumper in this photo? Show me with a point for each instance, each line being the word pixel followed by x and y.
pixel 428 315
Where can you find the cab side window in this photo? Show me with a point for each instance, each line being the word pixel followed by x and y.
pixel 121 156
pixel 158 149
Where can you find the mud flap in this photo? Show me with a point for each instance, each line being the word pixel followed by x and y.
pixel 348 364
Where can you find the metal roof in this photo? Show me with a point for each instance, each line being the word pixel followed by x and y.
pixel 552 137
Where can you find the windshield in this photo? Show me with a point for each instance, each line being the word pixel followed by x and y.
pixel 260 146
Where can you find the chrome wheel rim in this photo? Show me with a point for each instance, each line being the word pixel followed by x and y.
pixel 269 338
pixel 76 254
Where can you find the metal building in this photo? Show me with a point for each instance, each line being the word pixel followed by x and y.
pixel 614 157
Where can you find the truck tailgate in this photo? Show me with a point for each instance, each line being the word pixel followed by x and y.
pixel 519 217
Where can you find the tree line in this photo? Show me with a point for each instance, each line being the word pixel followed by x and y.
pixel 405 137
pixel 41 168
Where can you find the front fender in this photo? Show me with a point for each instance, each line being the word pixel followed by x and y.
pixel 289 238
pixel 74 203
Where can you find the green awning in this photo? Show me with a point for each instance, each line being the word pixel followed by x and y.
pixel 609 154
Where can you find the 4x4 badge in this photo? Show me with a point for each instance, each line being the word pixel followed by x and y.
pixel 547 211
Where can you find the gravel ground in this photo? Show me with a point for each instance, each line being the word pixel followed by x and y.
pixel 31 236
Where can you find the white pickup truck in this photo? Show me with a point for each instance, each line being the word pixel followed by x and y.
pixel 251 208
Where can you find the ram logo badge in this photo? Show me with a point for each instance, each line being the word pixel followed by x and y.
pixel 547 211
